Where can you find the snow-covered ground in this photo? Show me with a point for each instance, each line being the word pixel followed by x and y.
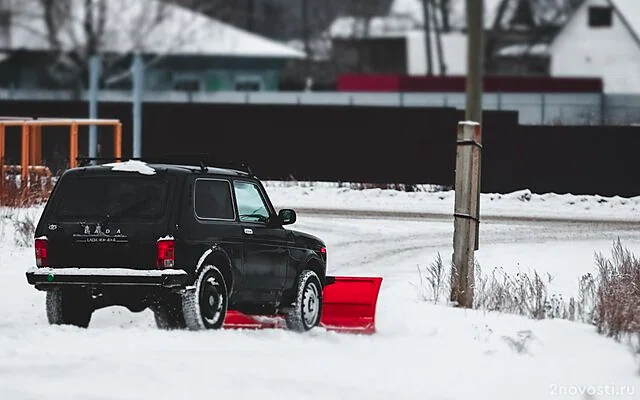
pixel 420 351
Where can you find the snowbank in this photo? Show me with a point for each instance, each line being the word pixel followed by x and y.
pixel 524 204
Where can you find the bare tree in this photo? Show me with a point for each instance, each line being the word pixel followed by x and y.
pixel 542 18
pixel 337 37
pixel 554 12
pixel 492 40
pixel 444 7
pixel 234 12
pixel 362 12
pixel 438 38
pixel 426 12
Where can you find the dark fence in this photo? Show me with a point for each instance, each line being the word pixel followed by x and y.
pixel 363 144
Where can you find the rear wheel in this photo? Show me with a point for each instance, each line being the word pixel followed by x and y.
pixel 69 306
pixel 168 313
pixel 307 308
pixel 205 306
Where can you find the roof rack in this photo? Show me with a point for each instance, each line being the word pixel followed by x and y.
pixel 187 159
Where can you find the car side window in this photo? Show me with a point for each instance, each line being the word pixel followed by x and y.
pixel 251 206
pixel 213 199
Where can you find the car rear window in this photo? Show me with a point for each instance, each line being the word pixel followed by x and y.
pixel 213 199
pixel 100 196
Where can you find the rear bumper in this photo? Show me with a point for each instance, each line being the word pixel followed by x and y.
pixel 50 277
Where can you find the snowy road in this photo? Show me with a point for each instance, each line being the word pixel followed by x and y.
pixel 392 247
pixel 416 354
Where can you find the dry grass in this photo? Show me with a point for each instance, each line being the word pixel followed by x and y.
pixel 15 203
pixel 15 195
pixel 523 293
pixel 617 306
pixel 24 225
pixel 433 284
pixel 608 299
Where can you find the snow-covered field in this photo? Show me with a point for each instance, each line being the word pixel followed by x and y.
pixel 421 350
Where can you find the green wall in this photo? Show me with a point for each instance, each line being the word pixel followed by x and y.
pixel 212 73
pixel 215 73
pixel 211 79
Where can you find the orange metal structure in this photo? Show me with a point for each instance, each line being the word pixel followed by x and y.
pixel 31 140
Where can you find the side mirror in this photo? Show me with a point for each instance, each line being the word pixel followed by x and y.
pixel 287 216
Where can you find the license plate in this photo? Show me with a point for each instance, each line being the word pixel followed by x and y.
pixel 98 234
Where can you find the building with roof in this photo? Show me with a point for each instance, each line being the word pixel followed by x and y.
pixel 516 34
pixel 183 49
pixel 602 39
pixel 392 44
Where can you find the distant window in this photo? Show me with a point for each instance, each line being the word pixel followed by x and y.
pixel 600 17
pixel 187 85
pixel 248 84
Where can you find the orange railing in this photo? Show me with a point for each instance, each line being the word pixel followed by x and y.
pixel 31 142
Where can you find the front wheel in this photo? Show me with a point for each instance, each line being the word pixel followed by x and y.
pixel 307 308
pixel 205 305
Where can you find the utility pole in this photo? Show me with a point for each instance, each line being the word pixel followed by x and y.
pixel 138 91
pixel 475 57
pixel 427 36
pixel 468 158
pixel 306 38
pixel 94 82
pixel 475 73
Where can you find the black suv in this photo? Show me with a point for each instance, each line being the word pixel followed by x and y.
pixel 189 242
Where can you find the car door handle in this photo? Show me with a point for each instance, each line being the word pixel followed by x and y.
pixel 248 231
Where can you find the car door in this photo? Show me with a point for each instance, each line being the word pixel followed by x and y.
pixel 265 246
pixel 213 222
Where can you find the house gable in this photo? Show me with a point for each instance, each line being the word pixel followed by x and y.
pixel 629 12
pixel 610 52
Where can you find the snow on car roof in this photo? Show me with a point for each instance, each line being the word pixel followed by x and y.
pixel 132 166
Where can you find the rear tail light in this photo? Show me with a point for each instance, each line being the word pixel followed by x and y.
pixel 41 252
pixel 166 253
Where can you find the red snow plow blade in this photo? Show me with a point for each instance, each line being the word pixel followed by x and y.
pixel 348 305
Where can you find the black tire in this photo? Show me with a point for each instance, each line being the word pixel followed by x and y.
pixel 69 306
pixel 168 313
pixel 205 305
pixel 307 309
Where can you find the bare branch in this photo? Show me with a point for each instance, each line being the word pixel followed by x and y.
pixel 51 22
pixel 182 36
